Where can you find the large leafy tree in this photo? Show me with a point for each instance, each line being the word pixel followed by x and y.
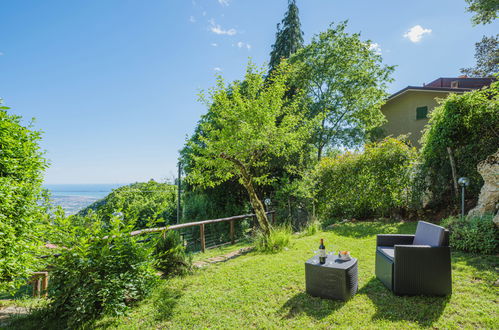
pixel 345 81
pixel 21 168
pixel 485 10
pixel 487 58
pixel 289 36
pixel 250 123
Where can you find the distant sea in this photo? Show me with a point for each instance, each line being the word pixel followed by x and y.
pixel 75 197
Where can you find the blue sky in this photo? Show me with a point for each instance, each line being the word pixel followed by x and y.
pixel 113 84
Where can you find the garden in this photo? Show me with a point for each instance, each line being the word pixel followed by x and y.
pixel 299 140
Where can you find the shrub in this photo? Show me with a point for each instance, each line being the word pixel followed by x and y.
pixel 21 175
pixel 141 204
pixel 372 183
pixel 467 124
pixel 312 228
pixel 475 234
pixel 170 255
pixel 99 275
pixel 275 241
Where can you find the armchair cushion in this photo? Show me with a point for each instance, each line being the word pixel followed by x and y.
pixel 429 234
pixel 387 251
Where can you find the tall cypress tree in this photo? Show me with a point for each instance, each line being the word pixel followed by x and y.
pixel 289 36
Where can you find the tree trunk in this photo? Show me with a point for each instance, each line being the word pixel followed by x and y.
pixel 257 204
pixel 453 169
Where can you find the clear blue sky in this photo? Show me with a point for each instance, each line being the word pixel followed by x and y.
pixel 113 83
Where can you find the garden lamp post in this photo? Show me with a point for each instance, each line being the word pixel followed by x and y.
pixel 267 202
pixel 463 182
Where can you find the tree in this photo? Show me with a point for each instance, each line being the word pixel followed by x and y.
pixel 487 58
pixel 21 174
pixel 250 122
pixel 345 81
pixel 485 10
pixel 468 125
pixel 289 36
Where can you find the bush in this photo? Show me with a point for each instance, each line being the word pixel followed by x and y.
pixel 100 276
pixel 142 204
pixel 21 176
pixel 276 241
pixel 475 234
pixel 170 255
pixel 467 124
pixel 373 183
pixel 312 228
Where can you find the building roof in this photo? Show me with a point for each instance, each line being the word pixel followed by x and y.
pixel 448 85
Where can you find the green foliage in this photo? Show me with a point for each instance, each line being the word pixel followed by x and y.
pixel 248 124
pixel 104 272
pixel 141 203
pixel 276 241
pixel 21 168
pixel 468 124
pixel 473 234
pixel 345 81
pixel 485 10
pixel 312 228
pixel 288 38
pixel 372 183
pixel 170 255
pixel 487 58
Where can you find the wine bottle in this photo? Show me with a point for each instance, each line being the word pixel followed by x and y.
pixel 322 252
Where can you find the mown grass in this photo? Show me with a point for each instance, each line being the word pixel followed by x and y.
pixel 268 291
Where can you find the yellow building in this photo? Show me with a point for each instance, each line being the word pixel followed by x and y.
pixel 406 111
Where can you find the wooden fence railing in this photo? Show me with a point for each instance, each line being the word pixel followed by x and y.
pixel 201 225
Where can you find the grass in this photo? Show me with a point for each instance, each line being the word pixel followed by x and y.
pixel 268 291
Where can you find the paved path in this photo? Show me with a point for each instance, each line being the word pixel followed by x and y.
pixel 223 258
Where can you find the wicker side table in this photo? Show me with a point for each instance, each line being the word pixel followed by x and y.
pixel 336 279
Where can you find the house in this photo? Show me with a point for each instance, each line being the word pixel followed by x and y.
pixel 406 111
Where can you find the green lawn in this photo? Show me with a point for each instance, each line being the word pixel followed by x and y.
pixel 268 291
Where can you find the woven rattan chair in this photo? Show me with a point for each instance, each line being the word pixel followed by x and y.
pixel 417 264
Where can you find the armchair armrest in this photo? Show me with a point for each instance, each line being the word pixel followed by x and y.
pixel 393 239
pixel 422 269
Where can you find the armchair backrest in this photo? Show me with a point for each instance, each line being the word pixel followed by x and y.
pixel 429 234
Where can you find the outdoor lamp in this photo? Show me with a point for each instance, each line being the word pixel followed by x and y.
pixel 267 202
pixel 463 182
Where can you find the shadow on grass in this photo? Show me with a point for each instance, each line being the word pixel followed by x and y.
pixel 419 309
pixel 366 229
pixel 312 306
pixel 165 301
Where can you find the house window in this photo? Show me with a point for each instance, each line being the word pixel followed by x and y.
pixel 421 112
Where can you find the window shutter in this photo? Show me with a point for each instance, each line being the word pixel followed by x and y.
pixel 422 112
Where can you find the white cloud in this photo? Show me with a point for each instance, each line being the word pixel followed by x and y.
pixel 375 46
pixel 217 69
pixel 241 44
pixel 223 2
pixel 214 44
pixel 415 33
pixel 217 29
pixel 192 19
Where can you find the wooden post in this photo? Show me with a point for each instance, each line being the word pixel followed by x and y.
pixel 45 285
pixel 201 233
pixel 453 169
pixel 232 231
pixel 273 217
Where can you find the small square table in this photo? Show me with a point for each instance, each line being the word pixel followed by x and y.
pixel 336 279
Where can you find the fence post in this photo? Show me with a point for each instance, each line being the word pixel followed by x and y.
pixel 232 231
pixel 273 217
pixel 201 232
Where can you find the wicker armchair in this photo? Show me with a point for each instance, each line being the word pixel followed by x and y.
pixel 417 264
